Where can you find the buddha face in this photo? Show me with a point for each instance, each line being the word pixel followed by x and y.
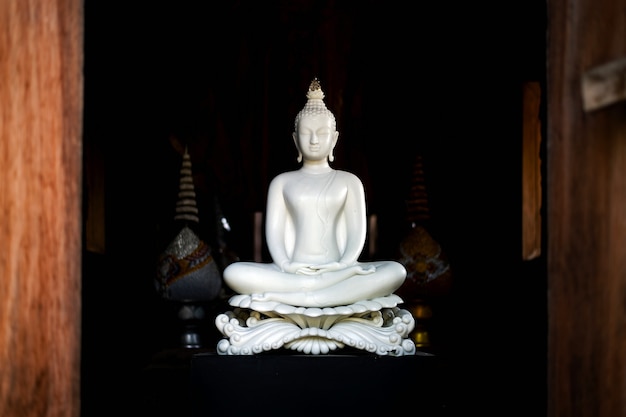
pixel 315 137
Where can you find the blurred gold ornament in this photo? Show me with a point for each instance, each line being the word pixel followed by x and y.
pixel 428 271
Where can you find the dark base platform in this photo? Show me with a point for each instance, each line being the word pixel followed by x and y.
pixel 318 385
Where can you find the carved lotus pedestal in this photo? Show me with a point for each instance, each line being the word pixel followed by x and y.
pixel 377 326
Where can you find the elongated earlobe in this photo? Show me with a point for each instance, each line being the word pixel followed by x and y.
pixel 331 155
pixel 295 141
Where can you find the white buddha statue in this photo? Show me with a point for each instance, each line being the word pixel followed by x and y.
pixel 315 228
pixel 315 296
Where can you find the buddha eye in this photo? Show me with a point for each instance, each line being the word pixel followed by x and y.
pixel 303 131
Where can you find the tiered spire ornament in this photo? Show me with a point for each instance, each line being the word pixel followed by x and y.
pixel 420 253
pixel 428 269
pixel 186 269
pixel 417 203
pixel 186 207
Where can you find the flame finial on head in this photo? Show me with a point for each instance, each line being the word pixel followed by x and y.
pixel 315 90
pixel 315 104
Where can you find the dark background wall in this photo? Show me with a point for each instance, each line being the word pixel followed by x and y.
pixel 226 79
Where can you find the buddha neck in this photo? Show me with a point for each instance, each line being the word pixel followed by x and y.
pixel 316 168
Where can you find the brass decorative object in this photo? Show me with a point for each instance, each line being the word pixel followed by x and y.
pixel 428 269
pixel 187 272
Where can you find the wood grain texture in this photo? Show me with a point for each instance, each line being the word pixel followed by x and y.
pixel 40 201
pixel 531 171
pixel 586 216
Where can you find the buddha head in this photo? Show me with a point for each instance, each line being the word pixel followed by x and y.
pixel 315 104
pixel 315 108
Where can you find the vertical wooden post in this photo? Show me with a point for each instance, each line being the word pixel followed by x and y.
pixel 41 57
pixel 531 171
pixel 586 192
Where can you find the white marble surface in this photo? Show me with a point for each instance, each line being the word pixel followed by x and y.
pixel 316 230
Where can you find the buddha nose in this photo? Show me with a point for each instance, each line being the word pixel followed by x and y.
pixel 314 139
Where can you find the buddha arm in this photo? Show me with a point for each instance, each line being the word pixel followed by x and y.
pixel 355 219
pixel 275 225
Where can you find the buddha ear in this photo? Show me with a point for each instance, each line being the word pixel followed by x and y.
pixel 294 135
pixel 331 154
